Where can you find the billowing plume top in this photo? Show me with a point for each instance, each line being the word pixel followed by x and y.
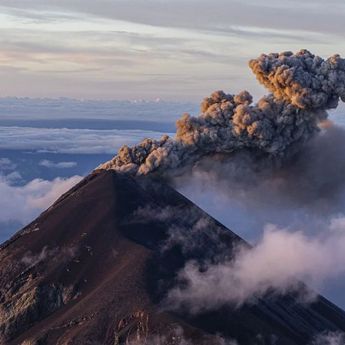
pixel 303 87
pixel 303 79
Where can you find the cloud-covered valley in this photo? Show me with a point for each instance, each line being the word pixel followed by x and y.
pixel 21 204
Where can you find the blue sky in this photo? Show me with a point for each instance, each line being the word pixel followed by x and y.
pixel 174 50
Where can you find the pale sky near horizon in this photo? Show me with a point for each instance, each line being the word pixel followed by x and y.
pixel 136 49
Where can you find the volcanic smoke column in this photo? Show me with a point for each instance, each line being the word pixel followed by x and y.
pixel 303 87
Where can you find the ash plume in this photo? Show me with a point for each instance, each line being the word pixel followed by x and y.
pixel 303 80
pixel 303 87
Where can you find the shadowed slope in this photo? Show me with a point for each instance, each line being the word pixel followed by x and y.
pixel 94 268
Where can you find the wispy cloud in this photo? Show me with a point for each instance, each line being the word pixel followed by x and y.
pixel 329 338
pixel 21 204
pixel 6 164
pixel 179 14
pixel 112 48
pixel 60 165
pixel 278 263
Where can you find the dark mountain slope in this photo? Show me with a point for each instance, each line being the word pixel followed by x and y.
pixel 94 268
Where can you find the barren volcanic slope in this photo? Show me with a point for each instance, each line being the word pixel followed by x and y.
pixel 95 267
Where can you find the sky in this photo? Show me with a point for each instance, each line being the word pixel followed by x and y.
pixel 135 49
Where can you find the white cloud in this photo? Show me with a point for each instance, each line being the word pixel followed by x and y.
pixel 23 203
pixel 279 261
pixel 13 177
pixel 6 164
pixel 63 140
pixel 329 338
pixel 7 171
pixel 60 165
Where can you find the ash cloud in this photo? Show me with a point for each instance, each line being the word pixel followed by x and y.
pixel 303 87
pixel 304 80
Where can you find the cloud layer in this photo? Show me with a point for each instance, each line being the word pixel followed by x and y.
pixel 21 204
pixel 63 140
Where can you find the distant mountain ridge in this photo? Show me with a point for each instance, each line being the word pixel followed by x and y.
pixel 15 108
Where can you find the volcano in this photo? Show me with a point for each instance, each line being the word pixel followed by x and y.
pixel 95 268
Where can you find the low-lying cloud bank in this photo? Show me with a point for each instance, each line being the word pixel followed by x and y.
pixel 69 141
pixel 21 204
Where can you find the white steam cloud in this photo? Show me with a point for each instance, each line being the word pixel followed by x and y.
pixel 278 263
pixel 330 338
